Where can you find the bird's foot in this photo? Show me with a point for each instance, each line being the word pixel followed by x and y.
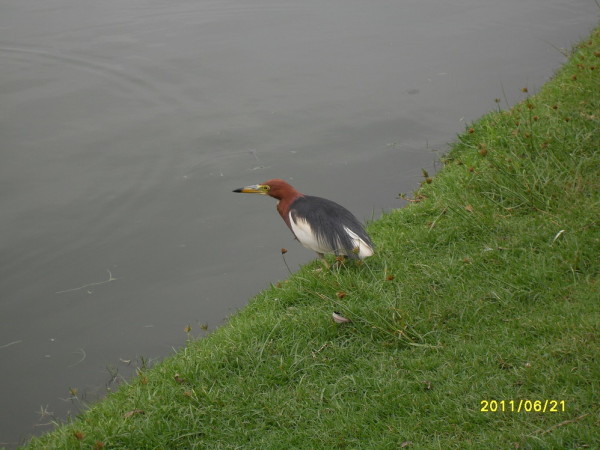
pixel 340 261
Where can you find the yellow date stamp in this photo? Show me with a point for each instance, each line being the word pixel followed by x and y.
pixel 528 406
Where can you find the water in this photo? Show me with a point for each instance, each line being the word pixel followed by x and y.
pixel 125 125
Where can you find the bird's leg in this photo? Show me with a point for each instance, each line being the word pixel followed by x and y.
pixel 323 260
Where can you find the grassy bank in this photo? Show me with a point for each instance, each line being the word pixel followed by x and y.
pixel 484 288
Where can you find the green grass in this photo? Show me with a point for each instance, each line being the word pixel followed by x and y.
pixel 484 288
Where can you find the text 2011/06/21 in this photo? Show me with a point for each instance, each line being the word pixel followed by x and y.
pixel 542 406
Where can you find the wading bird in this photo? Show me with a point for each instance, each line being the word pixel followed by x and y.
pixel 319 224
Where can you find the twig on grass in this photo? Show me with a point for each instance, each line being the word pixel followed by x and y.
pixel 563 423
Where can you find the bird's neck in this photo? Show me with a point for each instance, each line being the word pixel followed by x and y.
pixel 283 206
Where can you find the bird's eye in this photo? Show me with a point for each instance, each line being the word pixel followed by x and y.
pixel 265 187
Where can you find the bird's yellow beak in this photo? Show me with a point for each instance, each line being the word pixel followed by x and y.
pixel 254 189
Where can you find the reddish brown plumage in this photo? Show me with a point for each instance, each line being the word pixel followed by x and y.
pixel 286 194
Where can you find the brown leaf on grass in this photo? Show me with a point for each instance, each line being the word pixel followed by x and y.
pixel 416 199
pixel 79 435
pixel 133 412
pixel 469 208
pixel 178 379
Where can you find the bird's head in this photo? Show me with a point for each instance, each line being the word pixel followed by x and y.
pixel 276 188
